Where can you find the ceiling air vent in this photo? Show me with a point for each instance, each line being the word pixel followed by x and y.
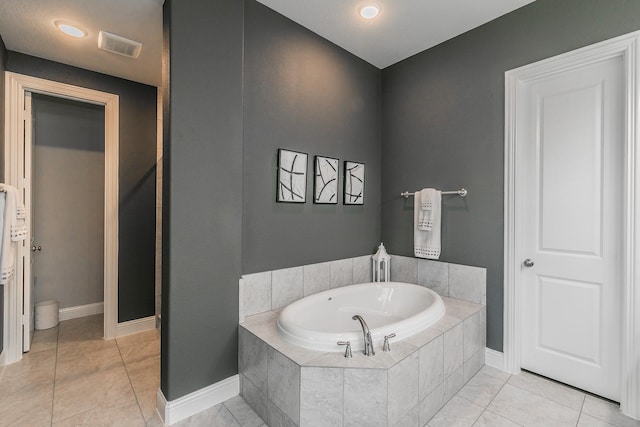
pixel 119 45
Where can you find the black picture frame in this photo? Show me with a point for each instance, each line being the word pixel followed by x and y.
pixel 291 182
pixel 353 183
pixel 326 172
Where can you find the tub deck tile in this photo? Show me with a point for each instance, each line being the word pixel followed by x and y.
pixel 453 349
pixel 337 360
pixel 384 372
pixel 365 398
pixel 461 309
pixel 252 359
pixel 431 367
pixel 399 351
pixel 402 388
pixel 256 399
pixel 424 337
pixel 261 317
pixel 267 332
pixel 473 331
pixel 283 380
pixel 321 397
pixel 263 326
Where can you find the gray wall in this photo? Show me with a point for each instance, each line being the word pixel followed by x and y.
pixel 303 93
pixel 138 135
pixel 443 126
pixel 3 68
pixel 68 206
pixel 312 97
pixel 3 57
pixel 202 214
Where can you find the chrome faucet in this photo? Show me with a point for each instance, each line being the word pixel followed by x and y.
pixel 368 342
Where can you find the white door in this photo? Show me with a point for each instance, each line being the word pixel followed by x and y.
pixel 570 131
pixel 28 259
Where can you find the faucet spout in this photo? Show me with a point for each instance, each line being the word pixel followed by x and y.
pixel 366 334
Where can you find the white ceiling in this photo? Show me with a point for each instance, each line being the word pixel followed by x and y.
pixel 27 26
pixel 403 28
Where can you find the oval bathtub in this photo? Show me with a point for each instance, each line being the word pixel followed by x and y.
pixel 319 321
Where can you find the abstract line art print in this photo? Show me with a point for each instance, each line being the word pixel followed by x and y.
pixel 353 183
pixel 292 177
pixel 325 182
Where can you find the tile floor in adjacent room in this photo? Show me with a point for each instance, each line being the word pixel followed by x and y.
pixel 72 377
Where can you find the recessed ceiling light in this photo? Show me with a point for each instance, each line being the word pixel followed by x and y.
pixel 71 30
pixel 369 11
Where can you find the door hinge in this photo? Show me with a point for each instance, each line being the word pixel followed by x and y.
pixel 25 319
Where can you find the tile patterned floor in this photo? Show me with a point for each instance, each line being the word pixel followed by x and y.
pixel 72 377
pixel 493 398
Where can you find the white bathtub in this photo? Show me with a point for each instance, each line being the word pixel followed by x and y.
pixel 319 321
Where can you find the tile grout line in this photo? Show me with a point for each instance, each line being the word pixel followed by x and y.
pixel 470 403
pixel 599 417
pixel 386 412
pixel 124 365
pixel 57 346
pixel 266 391
pixel 231 412
pixel 55 369
pixel 496 395
pixel 343 394
pixel 584 399
pixel 550 399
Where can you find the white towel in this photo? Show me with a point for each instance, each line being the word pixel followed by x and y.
pixel 426 244
pixel 5 271
pixel 13 230
pixel 7 254
pixel 19 230
pixel 428 197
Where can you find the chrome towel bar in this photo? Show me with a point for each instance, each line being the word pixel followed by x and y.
pixel 461 192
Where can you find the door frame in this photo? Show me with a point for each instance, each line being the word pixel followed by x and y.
pixel 16 85
pixel 626 47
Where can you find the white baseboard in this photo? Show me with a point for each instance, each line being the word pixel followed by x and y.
pixel 2 358
pixel 176 410
pixel 494 358
pixel 80 311
pixel 136 326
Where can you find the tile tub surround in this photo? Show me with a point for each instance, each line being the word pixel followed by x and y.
pixel 271 290
pixel 463 282
pixel 290 385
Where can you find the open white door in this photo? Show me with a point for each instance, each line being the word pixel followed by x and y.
pixel 20 298
pixel 27 258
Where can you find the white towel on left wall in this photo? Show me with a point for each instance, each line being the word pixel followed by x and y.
pixel 13 230
pixel 426 244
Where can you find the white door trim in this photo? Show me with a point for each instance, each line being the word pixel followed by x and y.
pixel 15 87
pixel 626 47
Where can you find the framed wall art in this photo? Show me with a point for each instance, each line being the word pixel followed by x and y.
pixel 292 177
pixel 353 183
pixel 325 180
